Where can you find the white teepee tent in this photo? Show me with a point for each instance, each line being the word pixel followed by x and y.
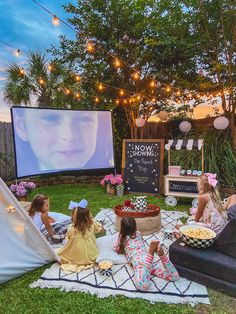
pixel 22 246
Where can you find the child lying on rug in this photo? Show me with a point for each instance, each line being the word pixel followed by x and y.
pixel 131 243
pixel 210 212
pixel 80 251
pixel 54 230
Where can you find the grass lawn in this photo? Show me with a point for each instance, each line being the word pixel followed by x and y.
pixel 17 297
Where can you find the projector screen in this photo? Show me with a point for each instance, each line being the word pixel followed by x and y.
pixel 53 140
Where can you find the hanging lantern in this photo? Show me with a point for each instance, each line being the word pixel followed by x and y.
pixel 185 126
pixel 163 115
pixel 221 123
pixel 140 122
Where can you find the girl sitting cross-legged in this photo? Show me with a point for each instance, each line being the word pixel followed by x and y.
pixel 80 251
pixel 131 243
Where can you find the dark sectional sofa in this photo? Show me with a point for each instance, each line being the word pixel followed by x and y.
pixel 209 267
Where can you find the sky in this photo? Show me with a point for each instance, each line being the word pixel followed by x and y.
pixel 26 26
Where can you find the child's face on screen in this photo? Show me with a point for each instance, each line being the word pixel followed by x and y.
pixel 60 139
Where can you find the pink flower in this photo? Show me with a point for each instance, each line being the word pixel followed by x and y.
pixel 102 182
pixel 21 191
pixel 13 188
pixel 30 186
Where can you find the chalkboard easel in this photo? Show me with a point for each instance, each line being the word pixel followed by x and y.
pixel 142 165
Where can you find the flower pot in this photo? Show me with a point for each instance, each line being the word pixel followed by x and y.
pixel 119 190
pixel 22 198
pixel 113 190
pixel 108 189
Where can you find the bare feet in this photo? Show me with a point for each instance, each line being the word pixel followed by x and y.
pixel 176 235
pixel 159 250
pixel 153 247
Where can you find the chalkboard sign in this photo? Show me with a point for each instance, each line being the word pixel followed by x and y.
pixel 142 165
pixel 183 186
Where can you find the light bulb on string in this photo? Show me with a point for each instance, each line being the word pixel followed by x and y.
pixel 153 99
pixel 125 101
pixel 100 87
pixel 50 68
pixel 67 91
pixel 77 78
pixel 17 52
pixel 153 83
pixel 41 81
pixel 22 71
pixel 121 92
pixel 190 95
pixel 89 47
pixel 117 63
pixel 117 102
pixel 77 95
pixel 138 97
pixel 96 99
pixel 55 20
pixel 178 93
pixel 136 76
pixel 168 89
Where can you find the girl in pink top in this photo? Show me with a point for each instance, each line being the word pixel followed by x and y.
pixel 210 211
pixel 131 243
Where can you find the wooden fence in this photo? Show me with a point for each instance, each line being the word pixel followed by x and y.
pixel 7 163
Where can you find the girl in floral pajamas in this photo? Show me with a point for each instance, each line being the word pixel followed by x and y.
pixel 131 243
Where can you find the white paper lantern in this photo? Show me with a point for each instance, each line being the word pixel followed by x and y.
pixel 163 115
pixel 140 122
pixel 185 126
pixel 221 123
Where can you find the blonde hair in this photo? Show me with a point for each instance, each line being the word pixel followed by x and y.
pixel 213 192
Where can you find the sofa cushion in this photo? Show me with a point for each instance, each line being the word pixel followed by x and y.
pixel 209 281
pixel 226 240
pixel 207 261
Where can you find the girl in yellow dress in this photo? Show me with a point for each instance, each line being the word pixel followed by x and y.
pixel 80 251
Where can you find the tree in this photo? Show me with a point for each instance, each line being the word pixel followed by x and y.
pixel 121 29
pixel 46 84
pixel 187 45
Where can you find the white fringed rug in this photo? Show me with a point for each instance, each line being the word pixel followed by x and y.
pixel 121 280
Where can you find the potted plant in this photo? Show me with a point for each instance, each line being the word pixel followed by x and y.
pixel 22 190
pixel 113 184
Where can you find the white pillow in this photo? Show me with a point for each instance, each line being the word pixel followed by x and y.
pixel 105 246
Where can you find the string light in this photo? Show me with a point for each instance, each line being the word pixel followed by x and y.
pixel 17 52
pixel 117 102
pixel 125 101
pixel 96 99
pixel 168 89
pixel 138 97
pixel 67 91
pixel 178 93
pixel 55 20
pixel 117 63
pixel 121 92
pixel 77 95
pixel 153 99
pixel 77 78
pixel 41 81
pixel 22 71
pixel 152 84
pixel 89 47
pixel 136 76
pixel 100 87
pixel 49 67
pixel 190 95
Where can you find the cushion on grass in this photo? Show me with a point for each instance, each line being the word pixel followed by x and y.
pixel 226 240
pixel 105 246
pixel 206 261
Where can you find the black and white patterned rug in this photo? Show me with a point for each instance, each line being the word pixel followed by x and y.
pixel 121 280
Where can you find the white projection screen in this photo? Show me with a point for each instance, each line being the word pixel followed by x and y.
pixel 54 140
